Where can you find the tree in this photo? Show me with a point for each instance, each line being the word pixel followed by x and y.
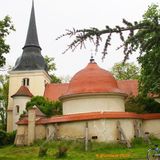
pixel 4 86
pixel 47 107
pixel 51 68
pixel 5 27
pixel 137 32
pixel 149 81
pixel 125 71
pixel 142 36
pixel 141 104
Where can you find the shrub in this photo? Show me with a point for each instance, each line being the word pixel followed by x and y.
pixel 47 107
pixel 11 137
pixel 141 104
pixel 3 136
pixel 7 138
pixel 62 152
pixel 138 141
pixel 43 151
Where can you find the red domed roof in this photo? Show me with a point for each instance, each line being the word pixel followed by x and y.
pixel 92 79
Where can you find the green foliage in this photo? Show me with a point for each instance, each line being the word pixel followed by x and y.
pixel 50 63
pixel 138 141
pixel 7 138
pixel 102 151
pixel 51 68
pixel 62 152
pixel 150 80
pixel 125 71
pixel 141 104
pixel 47 107
pixel 2 137
pixel 4 88
pixel 5 28
pixel 134 38
pixel 43 151
pixel 55 79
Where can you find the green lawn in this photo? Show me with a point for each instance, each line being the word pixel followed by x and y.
pixel 98 151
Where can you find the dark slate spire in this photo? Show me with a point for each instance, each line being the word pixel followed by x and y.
pixel 31 58
pixel 32 37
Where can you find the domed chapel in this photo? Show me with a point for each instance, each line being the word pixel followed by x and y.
pixel 93 101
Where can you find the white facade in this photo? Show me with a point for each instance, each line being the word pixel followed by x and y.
pixel 37 81
pixel 85 103
pixel 19 105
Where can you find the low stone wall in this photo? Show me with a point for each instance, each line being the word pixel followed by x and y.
pixel 103 130
pixel 152 126
pixel 22 135
pixel 40 132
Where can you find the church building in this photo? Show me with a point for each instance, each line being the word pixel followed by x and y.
pixel 93 101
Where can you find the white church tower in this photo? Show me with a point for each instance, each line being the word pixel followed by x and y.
pixel 28 77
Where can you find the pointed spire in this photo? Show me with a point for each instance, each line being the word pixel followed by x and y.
pixel 31 58
pixel 32 36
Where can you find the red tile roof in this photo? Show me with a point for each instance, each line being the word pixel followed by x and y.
pixel 23 91
pixel 129 86
pixel 93 116
pixel 92 79
pixel 150 116
pixel 23 121
pixel 87 116
pixel 53 91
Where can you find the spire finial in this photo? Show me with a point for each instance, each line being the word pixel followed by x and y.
pixel 32 36
pixel 92 59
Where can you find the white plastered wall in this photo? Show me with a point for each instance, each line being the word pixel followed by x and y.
pixel 93 103
pixel 104 129
pixel 21 102
pixel 37 81
pixel 152 126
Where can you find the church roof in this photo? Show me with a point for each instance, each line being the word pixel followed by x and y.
pixel 23 91
pixel 93 79
pixel 129 86
pixel 54 91
pixel 31 58
pixel 92 116
pixel 32 36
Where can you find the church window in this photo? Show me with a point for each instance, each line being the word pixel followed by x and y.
pixel 25 81
pixel 17 109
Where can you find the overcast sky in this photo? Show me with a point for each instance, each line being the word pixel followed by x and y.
pixel 54 16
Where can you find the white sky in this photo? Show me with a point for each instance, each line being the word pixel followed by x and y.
pixel 54 16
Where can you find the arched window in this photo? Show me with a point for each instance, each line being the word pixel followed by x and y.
pixel 25 82
pixel 17 109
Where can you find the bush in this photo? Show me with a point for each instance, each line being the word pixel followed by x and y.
pixel 43 151
pixel 62 152
pixel 3 136
pixel 11 137
pixel 7 138
pixel 49 108
pixel 141 104
pixel 138 141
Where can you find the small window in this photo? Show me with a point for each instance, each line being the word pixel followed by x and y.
pixel 25 82
pixel 17 109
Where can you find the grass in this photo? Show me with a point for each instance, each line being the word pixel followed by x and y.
pixel 97 151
